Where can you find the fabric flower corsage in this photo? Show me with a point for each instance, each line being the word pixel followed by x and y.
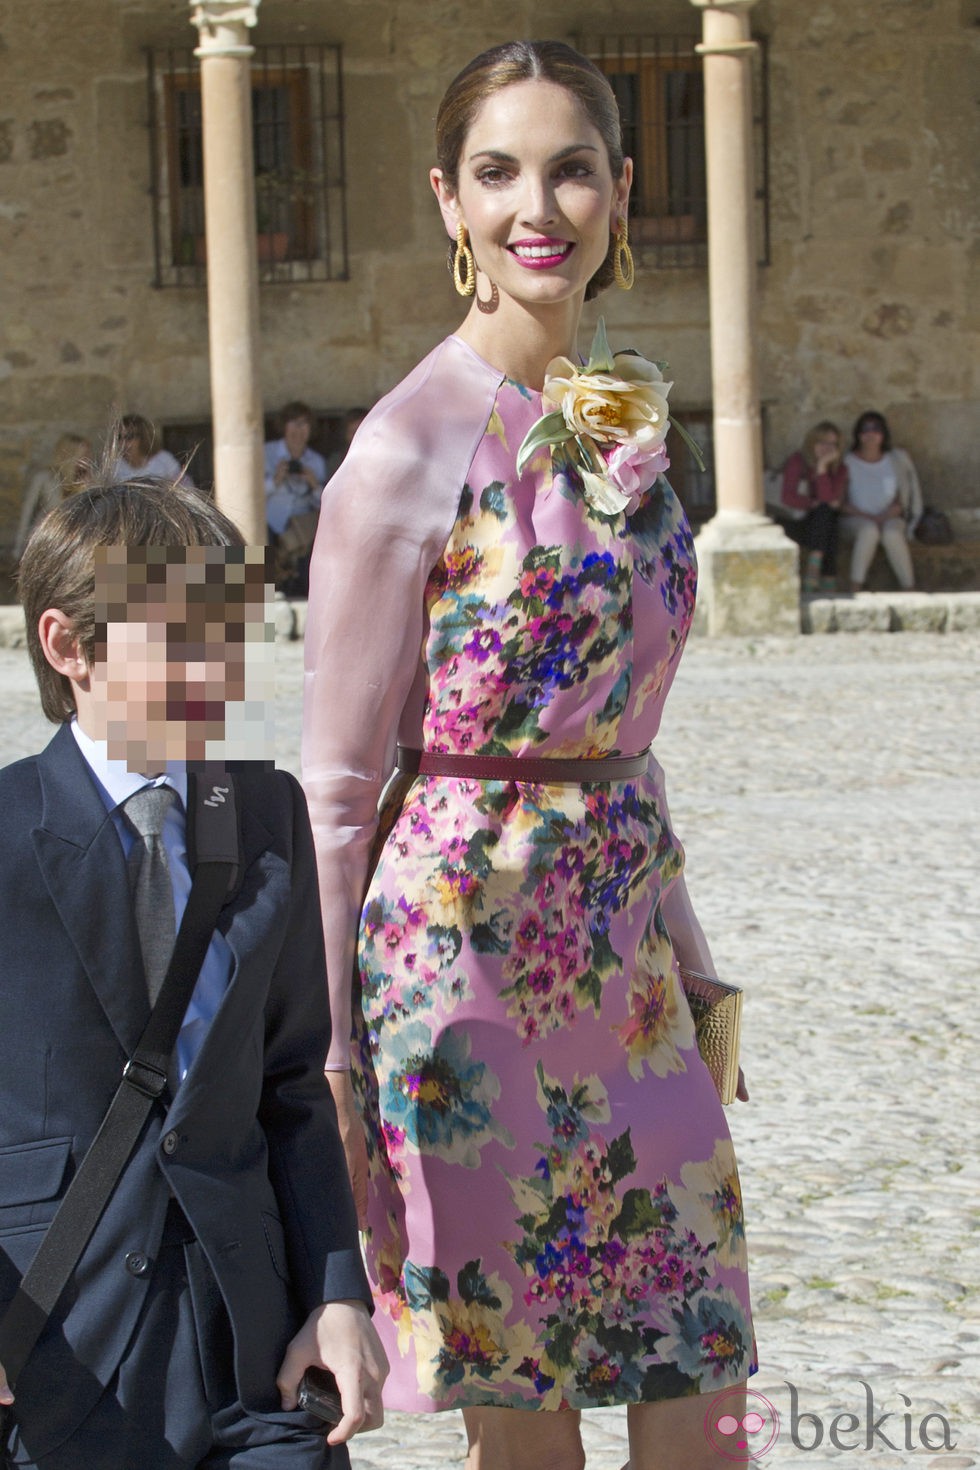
pixel 609 420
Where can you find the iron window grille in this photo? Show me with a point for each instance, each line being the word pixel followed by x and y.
pixel 659 85
pixel 298 147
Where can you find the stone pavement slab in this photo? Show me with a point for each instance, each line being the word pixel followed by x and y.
pixel 827 791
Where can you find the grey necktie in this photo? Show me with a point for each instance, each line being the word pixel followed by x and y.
pixel 149 880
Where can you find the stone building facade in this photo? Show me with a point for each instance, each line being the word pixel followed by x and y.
pixel 867 139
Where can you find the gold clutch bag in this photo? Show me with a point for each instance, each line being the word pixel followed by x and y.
pixel 716 1009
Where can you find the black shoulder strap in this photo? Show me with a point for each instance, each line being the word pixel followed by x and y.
pixel 214 850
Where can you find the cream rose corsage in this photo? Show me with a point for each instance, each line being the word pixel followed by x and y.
pixel 608 419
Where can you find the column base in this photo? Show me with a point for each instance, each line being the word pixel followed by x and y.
pixel 748 577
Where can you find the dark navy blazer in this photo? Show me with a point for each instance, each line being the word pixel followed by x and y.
pixel 249 1147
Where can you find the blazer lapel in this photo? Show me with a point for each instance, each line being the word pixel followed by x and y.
pixel 81 858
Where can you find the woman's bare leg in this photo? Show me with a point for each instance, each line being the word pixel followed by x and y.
pixel 671 1433
pixel 523 1439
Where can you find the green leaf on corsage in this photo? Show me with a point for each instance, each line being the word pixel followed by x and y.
pixel 551 429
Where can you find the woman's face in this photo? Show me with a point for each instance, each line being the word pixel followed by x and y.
pixel 536 193
pixel 827 445
pixel 135 451
pixel 870 438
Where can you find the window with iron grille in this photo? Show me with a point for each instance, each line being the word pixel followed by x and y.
pixel 659 85
pixel 298 146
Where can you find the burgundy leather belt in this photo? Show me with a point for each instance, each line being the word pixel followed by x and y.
pixel 542 769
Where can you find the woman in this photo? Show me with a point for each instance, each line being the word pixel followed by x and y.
pixel 49 487
pixel 884 501
pixel 815 483
pixel 136 458
pixel 553 1210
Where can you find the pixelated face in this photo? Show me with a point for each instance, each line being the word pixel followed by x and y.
pixel 173 630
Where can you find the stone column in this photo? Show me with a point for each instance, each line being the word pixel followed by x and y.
pixel 233 295
pixel 749 580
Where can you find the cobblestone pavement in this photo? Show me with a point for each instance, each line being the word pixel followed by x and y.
pixel 828 791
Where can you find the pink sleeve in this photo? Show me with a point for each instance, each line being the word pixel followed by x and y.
pixel 385 518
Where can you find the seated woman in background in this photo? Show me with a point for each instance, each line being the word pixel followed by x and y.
pixel 136 458
pixel 49 486
pixel 815 482
pixel 884 501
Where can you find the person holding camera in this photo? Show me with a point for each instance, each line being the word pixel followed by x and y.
pixel 294 478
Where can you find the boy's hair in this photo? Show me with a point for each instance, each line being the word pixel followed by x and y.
pixel 57 569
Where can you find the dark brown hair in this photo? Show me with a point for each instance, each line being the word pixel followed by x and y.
pixel 522 61
pixel 871 419
pixel 57 568
pixel 293 410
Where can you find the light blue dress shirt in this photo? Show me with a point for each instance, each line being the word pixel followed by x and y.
pixel 294 495
pixel 115 784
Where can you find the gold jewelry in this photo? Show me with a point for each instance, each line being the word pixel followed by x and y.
pixel 464 282
pixel 624 273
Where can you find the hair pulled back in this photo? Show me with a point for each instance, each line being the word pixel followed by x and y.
pixel 523 61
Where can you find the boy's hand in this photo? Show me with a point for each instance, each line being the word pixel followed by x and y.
pixel 6 1397
pixel 340 1336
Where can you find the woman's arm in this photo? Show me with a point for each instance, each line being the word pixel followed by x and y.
pixel 385 518
pixel 796 492
pixel 830 486
pixel 909 489
pixel 363 645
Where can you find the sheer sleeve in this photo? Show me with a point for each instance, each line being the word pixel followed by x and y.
pixel 385 518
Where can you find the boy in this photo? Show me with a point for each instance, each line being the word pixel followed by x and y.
pixel 226 1261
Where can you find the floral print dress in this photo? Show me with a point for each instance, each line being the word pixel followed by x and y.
pixel 555 1217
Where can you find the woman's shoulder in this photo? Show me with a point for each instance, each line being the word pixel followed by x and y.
pixel 420 439
pixel 450 383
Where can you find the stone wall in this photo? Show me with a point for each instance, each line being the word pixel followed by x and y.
pixel 873 295
pixel 870 297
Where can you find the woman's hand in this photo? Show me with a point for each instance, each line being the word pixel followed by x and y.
pixel 352 1137
pixel 741 1092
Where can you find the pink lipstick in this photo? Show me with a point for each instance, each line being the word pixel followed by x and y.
pixel 542 253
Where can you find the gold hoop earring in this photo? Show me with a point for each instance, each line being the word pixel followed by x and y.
pixel 624 273
pixel 465 283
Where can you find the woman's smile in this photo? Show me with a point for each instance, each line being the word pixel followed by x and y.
pixel 541 254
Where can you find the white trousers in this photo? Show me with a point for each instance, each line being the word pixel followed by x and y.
pixel 893 537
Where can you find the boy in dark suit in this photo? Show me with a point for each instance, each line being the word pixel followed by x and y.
pixel 227 1259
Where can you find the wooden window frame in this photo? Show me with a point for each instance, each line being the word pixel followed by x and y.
pixel 301 215
pixel 651 219
pixel 663 239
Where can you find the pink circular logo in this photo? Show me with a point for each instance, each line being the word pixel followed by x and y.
pixel 741 1426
